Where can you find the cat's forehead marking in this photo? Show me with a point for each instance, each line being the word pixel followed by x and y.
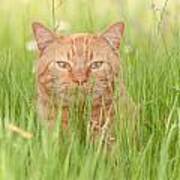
pixel 81 46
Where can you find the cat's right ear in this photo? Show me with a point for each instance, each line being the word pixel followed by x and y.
pixel 113 34
pixel 42 35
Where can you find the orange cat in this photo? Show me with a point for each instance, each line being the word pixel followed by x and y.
pixel 88 61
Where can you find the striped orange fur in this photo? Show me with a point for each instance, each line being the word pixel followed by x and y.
pixel 68 62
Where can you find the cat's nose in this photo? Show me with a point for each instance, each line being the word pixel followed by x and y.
pixel 80 80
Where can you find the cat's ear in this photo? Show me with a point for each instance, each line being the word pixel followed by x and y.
pixel 114 34
pixel 42 35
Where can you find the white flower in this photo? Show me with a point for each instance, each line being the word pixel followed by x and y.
pixel 31 45
pixel 62 26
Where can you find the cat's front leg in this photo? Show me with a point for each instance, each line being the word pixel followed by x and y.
pixel 101 123
pixel 46 112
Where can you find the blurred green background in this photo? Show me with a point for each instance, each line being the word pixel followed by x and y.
pixel 150 54
pixel 140 17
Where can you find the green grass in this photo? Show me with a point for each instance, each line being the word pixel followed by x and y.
pixel 150 55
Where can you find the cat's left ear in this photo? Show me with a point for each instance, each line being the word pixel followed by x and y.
pixel 42 35
pixel 114 34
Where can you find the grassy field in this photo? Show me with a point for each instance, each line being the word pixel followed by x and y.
pixel 151 59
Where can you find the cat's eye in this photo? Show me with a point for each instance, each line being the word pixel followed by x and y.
pixel 96 64
pixel 63 64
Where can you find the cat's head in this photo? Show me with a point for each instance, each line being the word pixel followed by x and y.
pixel 79 59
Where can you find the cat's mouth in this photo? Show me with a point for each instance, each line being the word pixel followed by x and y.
pixel 80 94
